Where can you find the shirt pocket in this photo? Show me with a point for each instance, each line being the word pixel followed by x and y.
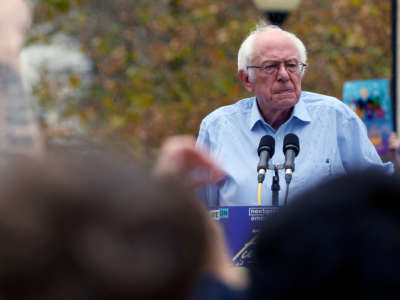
pixel 326 169
pixel 314 174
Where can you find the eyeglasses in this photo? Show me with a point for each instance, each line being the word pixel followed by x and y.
pixel 272 67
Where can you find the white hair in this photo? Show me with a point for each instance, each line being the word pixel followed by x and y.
pixel 246 49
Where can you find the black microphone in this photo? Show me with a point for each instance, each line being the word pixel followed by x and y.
pixel 291 148
pixel 266 150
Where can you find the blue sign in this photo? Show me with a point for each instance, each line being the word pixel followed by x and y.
pixel 370 100
pixel 241 225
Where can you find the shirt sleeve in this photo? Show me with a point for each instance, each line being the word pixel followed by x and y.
pixel 209 193
pixel 356 150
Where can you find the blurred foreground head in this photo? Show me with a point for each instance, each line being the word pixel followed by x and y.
pixel 95 229
pixel 339 241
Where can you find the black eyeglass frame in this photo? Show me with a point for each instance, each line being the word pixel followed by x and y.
pixel 301 65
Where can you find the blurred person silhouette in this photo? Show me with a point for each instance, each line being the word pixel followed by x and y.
pixel 340 240
pixel 97 228
pixel 394 142
pixel 394 147
pixel 19 129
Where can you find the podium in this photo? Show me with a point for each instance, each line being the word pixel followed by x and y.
pixel 241 225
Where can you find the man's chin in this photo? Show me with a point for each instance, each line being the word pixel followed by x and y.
pixel 286 100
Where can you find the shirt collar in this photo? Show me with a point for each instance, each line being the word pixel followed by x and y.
pixel 300 112
pixel 255 115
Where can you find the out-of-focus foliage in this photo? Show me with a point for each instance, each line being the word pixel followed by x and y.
pixel 161 65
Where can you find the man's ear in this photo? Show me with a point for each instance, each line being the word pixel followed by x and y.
pixel 244 78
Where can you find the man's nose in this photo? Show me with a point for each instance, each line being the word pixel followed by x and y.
pixel 282 73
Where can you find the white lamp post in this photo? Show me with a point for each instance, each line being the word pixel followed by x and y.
pixel 277 10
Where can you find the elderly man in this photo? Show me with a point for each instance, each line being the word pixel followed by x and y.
pixel 333 140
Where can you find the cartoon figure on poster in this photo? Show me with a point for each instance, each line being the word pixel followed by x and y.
pixel 370 99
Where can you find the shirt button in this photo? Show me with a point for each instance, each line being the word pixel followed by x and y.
pixel 278 137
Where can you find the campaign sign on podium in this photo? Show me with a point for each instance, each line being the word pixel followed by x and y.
pixel 241 225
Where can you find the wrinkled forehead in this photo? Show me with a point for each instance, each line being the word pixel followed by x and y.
pixel 274 45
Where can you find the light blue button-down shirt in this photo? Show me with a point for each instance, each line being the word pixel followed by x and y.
pixel 333 141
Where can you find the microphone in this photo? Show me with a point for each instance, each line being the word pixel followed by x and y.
pixel 266 150
pixel 291 148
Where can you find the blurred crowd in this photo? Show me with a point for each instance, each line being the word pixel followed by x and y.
pixel 99 227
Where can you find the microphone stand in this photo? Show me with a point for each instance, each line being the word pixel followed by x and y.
pixel 275 187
